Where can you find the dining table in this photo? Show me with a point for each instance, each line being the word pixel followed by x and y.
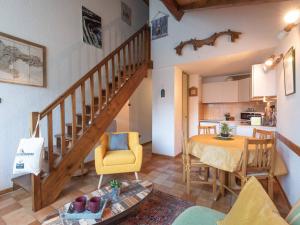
pixel 226 154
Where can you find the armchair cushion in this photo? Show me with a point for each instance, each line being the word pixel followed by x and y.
pixel 253 207
pixel 118 157
pixel 118 141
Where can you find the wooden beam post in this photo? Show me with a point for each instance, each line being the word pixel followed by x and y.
pixel 35 180
pixel 174 9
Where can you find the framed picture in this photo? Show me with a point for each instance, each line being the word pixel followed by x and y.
pixel 289 72
pixel 126 13
pixel 160 27
pixel 193 91
pixel 22 61
pixel 92 28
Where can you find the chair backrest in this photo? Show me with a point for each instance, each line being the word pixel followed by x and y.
pixel 207 130
pixel 263 134
pixel 258 156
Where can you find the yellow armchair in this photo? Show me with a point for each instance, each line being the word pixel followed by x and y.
pixel 118 161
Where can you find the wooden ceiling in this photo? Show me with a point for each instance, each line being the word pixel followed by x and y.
pixel 178 7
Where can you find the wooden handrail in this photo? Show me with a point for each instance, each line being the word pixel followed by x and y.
pixel 90 73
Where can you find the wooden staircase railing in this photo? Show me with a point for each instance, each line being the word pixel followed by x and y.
pixel 98 96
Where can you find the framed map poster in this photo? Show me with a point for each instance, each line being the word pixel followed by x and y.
pixel 22 61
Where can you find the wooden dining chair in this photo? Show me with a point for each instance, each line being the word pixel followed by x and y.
pixel 263 134
pixel 258 160
pixel 206 130
pixel 189 163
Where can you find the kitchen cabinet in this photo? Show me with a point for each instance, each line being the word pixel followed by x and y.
pixel 244 90
pixel 219 92
pixel 263 83
pixel 244 130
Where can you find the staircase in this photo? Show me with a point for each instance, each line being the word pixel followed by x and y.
pixel 90 104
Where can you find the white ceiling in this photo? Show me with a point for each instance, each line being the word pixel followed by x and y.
pixel 227 65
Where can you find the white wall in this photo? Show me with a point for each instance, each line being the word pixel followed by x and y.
pixel 288 120
pixel 163 116
pixel 140 110
pixel 57 25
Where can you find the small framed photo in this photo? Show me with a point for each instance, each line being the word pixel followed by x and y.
pixel 193 91
pixel 289 72
pixel 160 27
pixel 126 13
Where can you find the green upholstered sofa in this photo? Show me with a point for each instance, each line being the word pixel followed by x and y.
pixel 253 206
pixel 198 215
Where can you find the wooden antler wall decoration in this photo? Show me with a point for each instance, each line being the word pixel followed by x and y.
pixel 208 41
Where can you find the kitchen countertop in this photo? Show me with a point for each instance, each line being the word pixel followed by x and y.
pixel 233 122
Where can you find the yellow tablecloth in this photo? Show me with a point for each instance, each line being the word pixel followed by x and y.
pixel 225 154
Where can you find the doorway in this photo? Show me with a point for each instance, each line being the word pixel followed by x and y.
pixel 185 105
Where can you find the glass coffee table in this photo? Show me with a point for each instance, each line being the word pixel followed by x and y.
pixel 133 193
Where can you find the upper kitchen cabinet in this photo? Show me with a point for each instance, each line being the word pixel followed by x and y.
pixel 263 83
pixel 220 92
pixel 244 90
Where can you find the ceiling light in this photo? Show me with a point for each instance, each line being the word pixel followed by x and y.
pixel 292 16
pixel 272 61
pixel 269 62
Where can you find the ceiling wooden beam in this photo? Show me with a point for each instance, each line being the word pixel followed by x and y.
pixel 174 9
pixel 146 2
pixel 223 3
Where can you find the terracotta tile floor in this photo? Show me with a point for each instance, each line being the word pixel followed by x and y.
pixel 164 172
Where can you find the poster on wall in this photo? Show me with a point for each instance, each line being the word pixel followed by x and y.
pixel 289 72
pixel 126 13
pixel 22 61
pixel 159 27
pixel 92 28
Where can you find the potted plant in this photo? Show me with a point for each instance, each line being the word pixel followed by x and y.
pixel 225 130
pixel 227 116
pixel 116 188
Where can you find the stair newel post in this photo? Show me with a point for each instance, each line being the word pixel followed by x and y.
pixel 124 65
pixel 113 75
pixel 143 46
pixel 99 88
pixel 62 125
pixel 92 97
pixel 138 49
pixel 107 92
pixel 50 140
pixel 83 106
pixel 119 70
pixel 74 130
pixel 129 60
pixel 35 180
pixel 134 55
pixel 149 44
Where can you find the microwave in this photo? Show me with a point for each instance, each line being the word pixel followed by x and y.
pixel 249 115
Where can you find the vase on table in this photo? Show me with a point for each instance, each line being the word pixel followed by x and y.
pixel 115 194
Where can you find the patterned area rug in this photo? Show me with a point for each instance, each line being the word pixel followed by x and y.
pixel 159 209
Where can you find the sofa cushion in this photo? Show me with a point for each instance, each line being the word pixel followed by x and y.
pixel 118 157
pixel 118 141
pixel 253 207
pixel 293 218
pixel 198 215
